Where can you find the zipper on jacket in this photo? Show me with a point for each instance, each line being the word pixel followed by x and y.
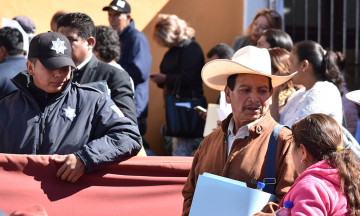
pixel 42 131
pixel 226 150
pixel 42 123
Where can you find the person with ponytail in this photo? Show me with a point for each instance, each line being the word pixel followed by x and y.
pixel 329 181
pixel 318 72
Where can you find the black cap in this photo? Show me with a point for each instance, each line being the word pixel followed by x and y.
pixel 26 23
pixel 119 5
pixel 52 49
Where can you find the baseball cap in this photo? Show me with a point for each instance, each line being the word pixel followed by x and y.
pixel 119 5
pixel 26 23
pixel 52 49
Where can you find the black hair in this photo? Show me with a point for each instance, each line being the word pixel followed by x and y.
pixel 322 136
pixel 278 38
pixel 79 21
pixel 108 44
pixel 33 60
pixel 340 60
pixel 12 40
pixel 231 80
pixel 222 50
pixel 323 62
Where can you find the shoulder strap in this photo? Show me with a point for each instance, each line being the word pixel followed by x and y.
pixel 270 179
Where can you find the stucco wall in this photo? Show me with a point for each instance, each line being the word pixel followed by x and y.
pixel 214 22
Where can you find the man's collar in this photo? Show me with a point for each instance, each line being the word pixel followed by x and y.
pixel 15 56
pixel 23 79
pixel 244 129
pixel 84 62
pixel 255 126
pixel 131 25
pixel 12 57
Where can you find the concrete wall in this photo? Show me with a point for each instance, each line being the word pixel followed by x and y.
pixel 214 21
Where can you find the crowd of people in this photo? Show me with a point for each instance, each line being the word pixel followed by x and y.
pixel 82 92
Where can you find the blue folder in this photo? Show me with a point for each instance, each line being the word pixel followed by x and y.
pixel 215 195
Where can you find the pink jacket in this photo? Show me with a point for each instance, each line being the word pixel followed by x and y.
pixel 317 192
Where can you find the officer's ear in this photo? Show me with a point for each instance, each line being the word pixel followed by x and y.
pixel 30 67
pixel 91 42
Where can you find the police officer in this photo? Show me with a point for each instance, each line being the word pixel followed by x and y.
pixel 49 114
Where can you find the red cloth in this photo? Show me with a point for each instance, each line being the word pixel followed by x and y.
pixel 137 186
pixel 33 210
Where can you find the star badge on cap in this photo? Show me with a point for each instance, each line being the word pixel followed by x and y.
pixel 68 113
pixel 58 46
pixel 120 3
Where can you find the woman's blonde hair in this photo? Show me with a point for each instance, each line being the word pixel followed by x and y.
pixel 171 30
pixel 273 17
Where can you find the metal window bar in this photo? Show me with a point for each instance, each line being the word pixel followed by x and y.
pixel 293 20
pixel 306 19
pixel 357 45
pixel 319 22
pixel 332 25
pixel 344 27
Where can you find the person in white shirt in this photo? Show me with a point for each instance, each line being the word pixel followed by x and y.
pixel 322 79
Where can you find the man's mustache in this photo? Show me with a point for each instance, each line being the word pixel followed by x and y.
pixel 256 106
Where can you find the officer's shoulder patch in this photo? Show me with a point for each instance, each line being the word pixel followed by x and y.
pixel 117 111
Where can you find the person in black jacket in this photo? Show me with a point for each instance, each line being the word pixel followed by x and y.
pixel 50 114
pixel 80 30
pixel 180 69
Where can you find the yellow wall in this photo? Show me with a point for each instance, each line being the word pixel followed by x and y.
pixel 214 22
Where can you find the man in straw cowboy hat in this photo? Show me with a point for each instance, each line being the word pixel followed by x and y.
pixel 238 150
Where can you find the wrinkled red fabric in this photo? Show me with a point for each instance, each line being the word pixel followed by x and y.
pixel 33 210
pixel 136 186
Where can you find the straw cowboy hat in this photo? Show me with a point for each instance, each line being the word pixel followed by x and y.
pixel 247 60
pixel 354 96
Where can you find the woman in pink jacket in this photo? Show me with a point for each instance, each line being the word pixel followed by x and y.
pixel 329 181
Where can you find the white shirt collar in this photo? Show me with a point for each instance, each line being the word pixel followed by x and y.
pixel 84 62
pixel 243 131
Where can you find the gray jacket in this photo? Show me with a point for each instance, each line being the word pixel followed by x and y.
pixel 240 42
pixel 79 120
pixel 351 143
